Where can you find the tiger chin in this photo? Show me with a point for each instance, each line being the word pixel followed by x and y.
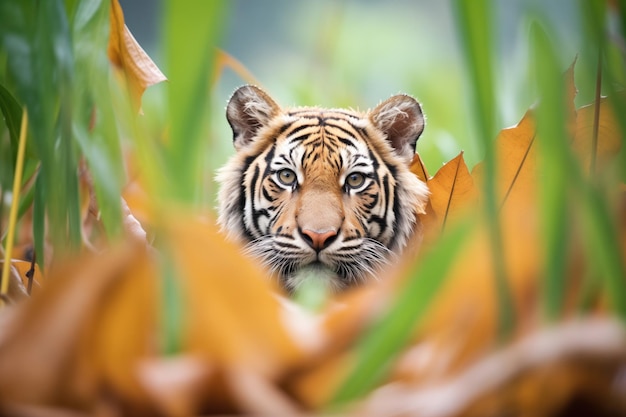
pixel 323 194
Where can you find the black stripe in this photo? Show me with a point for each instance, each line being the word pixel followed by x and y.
pixel 242 198
pixel 397 215
pixel 371 205
pixel 349 248
pixel 385 183
pixel 381 224
pixel 352 134
pixel 256 214
pixel 286 245
pixel 268 160
pixel 362 132
pixel 299 138
pixel 351 238
pixel 267 195
pixel 350 115
pixel 374 159
pixel 297 128
pixel 347 142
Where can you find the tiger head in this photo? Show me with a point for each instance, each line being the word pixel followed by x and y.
pixel 314 192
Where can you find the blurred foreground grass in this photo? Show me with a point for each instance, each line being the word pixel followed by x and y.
pixel 516 260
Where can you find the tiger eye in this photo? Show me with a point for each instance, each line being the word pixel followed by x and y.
pixel 355 180
pixel 286 177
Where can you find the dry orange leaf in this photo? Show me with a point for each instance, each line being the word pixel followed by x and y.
pixel 595 147
pixel 139 71
pixel 84 331
pixel 16 290
pixel 23 268
pixel 463 319
pixel 516 166
pixel 428 218
pixel 232 312
pixel 225 60
pixel 451 190
pixel 418 168
pixel 577 362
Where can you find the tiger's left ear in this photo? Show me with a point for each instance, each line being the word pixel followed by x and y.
pixel 401 119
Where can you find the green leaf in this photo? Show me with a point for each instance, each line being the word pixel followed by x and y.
pixel 555 166
pixel 192 30
pixel 474 19
pixel 172 302
pixel 314 292
pixel 39 223
pixel 94 123
pixel 604 247
pixel 37 41
pixel 12 113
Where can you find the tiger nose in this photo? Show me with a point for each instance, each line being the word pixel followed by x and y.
pixel 318 241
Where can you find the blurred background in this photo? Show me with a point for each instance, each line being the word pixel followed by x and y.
pixel 356 53
pixel 554 252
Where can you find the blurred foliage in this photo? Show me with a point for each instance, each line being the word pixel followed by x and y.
pixel 139 305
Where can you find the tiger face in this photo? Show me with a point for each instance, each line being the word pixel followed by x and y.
pixel 321 193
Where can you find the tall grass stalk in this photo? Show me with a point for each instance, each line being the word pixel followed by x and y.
pixel 17 182
pixel 475 30
pixel 554 165
pixel 192 30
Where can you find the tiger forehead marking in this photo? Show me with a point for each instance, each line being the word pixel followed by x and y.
pixel 323 146
pixel 324 190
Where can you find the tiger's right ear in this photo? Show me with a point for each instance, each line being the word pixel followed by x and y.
pixel 249 109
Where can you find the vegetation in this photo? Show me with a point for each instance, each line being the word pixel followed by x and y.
pixel 119 293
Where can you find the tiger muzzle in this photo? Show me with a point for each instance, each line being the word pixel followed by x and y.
pixel 319 218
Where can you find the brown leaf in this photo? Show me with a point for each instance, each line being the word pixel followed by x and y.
pixel 139 71
pixel 575 360
pixel 175 384
pixel 570 91
pixel 23 268
pixel 428 222
pixel 418 168
pixel 85 331
pixel 516 163
pixel 452 190
pixel 224 60
pixel 232 313
pixel 516 176
pixel 16 290
pixel 257 395
pixel 596 147
pixel 124 327
pixel 25 410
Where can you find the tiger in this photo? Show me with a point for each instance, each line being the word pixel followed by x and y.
pixel 316 193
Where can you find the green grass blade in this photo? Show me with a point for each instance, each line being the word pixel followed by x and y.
pixel 604 248
pixel 192 29
pixel 555 167
pixel 37 41
pixel 30 169
pixel 95 126
pixel 39 222
pixel 475 29
pixel 608 49
pixel 388 336
pixel 12 113
pixel 172 301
